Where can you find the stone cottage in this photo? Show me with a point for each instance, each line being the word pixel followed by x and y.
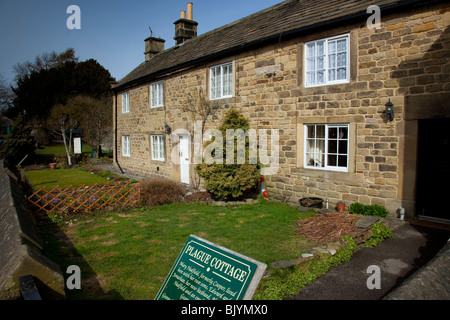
pixel 358 91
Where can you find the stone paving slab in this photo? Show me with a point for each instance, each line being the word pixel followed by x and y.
pixel 365 222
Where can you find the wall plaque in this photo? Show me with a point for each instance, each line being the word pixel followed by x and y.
pixel 207 271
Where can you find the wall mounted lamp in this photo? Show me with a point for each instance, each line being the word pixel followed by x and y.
pixel 390 110
pixel 168 129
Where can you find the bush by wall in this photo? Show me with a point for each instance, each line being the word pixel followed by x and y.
pixel 230 181
pixel 161 191
pixel 368 210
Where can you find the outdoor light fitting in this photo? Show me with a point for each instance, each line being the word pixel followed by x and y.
pixel 390 110
pixel 167 128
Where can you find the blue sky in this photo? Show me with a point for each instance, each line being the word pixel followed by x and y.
pixel 112 32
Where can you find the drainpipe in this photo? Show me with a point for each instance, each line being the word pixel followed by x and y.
pixel 115 133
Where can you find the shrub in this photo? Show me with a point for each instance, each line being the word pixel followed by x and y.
pixel 380 232
pixel 161 191
pixel 230 181
pixel 368 210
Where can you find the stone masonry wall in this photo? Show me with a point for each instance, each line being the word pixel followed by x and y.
pixel 408 56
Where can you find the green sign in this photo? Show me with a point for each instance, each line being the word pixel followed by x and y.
pixel 207 271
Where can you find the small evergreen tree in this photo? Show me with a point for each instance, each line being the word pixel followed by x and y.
pixel 230 181
pixel 18 144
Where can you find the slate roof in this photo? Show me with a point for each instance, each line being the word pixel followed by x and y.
pixel 279 22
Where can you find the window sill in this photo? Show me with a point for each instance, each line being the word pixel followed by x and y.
pixel 327 84
pixel 307 173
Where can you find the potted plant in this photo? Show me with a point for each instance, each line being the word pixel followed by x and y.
pixel 340 206
pixel 52 165
pixel 311 202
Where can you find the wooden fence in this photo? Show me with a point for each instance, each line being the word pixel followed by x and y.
pixel 86 198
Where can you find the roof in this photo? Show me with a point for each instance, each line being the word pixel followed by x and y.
pixel 276 23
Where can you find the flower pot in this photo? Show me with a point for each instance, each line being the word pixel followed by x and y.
pixel 341 207
pixel 311 202
pixel 52 165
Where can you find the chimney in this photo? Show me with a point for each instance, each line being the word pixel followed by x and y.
pixel 153 46
pixel 185 27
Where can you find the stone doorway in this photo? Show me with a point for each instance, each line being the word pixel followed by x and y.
pixel 433 169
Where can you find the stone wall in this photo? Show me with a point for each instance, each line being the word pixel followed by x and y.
pixel 431 282
pixel 407 58
pixel 21 247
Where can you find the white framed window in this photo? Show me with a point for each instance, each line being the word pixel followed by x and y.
pixel 157 94
pixel 327 61
pixel 327 147
pixel 221 81
pixel 157 147
pixel 125 102
pixel 126 146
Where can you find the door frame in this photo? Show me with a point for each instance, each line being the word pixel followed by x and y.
pixel 424 168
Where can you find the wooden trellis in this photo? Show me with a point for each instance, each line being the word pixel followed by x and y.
pixel 86 198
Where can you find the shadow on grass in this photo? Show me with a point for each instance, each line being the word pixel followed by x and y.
pixel 59 248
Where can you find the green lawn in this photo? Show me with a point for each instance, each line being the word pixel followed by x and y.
pixel 63 178
pixel 59 150
pixel 128 255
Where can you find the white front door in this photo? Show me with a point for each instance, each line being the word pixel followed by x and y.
pixel 184 159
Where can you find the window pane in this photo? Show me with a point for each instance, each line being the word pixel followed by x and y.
pixel 332 160
pixel 213 88
pixel 320 63
pixel 320 47
pixel 320 77
pixel 311 131
pixel 320 131
pixel 315 160
pixel 310 49
pixel 161 147
pixel 310 64
pixel 342 161
pixel 332 146
pixel 125 102
pixel 343 133
pixel 160 93
pixel 343 146
pixel 320 146
pixel 153 148
pixel 332 75
pixel 342 45
pixel 331 47
pixel 332 133
pixel 342 74
pixel 341 59
pixel 218 87
pixel 332 61
pixel 310 145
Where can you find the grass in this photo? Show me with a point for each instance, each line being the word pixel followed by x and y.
pixel 63 178
pixel 59 150
pixel 128 255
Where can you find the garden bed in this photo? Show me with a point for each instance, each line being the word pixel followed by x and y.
pixel 328 227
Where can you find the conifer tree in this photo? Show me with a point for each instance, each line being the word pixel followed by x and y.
pixel 230 181
pixel 18 144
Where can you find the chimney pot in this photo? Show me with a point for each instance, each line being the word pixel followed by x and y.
pixel 190 15
pixel 183 14
pixel 185 27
